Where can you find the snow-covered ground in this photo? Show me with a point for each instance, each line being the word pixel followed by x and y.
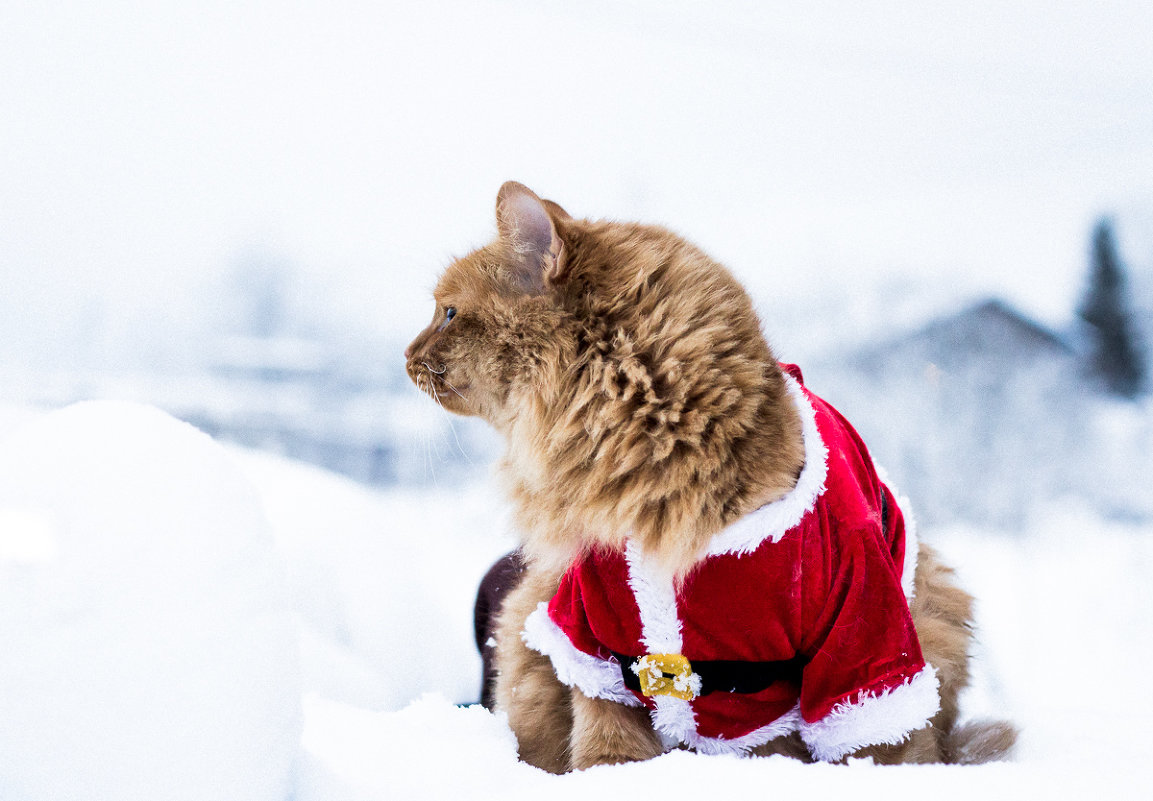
pixel 147 644
pixel 181 620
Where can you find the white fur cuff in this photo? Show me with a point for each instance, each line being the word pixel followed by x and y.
pixel 886 718
pixel 595 677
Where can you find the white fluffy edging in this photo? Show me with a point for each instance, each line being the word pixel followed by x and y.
pixel 596 678
pixel 773 520
pixel 656 597
pixel 740 746
pixel 883 719
pixel 912 546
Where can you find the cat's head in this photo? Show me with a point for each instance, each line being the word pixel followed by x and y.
pixel 497 323
pixel 626 369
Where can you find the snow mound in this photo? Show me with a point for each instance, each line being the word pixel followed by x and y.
pixel 429 750
pixel 148 645
pixel 383 581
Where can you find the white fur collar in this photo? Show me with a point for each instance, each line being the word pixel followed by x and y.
pixel 772 520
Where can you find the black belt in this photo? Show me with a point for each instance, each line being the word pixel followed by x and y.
pixel 726 675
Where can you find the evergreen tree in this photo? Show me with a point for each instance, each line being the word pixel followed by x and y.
pixel 1117 358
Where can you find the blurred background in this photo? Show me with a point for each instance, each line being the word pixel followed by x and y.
pixel 236 211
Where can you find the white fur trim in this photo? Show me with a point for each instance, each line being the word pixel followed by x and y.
pixel 773 520
pixel 656 597
pixel 885 718
pixel 740 746
pixel 912 546
pixel 674 718
pixel 909 569
pixel 595 677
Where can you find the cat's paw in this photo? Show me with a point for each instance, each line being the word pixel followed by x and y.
pixel 608 733
pixel 591 758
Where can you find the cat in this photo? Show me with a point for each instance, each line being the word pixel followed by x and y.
pixel 656 453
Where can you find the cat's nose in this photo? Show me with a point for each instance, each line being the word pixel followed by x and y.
pixel 416 345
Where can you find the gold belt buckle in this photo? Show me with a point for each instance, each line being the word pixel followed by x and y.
pixel 667 674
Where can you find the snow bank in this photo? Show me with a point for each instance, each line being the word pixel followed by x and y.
pixel 429 750
pixel 384 581
pixel 147 650
pixel 434 751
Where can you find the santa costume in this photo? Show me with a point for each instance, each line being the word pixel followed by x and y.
pixel 796 619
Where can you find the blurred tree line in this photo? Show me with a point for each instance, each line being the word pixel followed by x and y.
pixel 1118 358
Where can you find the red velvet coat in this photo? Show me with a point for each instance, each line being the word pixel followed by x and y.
pixel 822 576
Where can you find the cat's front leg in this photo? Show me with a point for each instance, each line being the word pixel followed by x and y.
pixel 606 733
pixel 527 689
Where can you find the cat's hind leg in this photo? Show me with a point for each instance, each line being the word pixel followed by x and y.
pixel 943 615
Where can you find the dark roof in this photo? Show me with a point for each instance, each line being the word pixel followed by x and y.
pixel 990 330
pixel 993 323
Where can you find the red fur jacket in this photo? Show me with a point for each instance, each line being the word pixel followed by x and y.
pixel 812 589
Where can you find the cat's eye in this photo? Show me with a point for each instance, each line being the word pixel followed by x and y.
pixel 449 313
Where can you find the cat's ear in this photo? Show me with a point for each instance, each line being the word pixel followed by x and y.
pixel 555 211
pixel 524 221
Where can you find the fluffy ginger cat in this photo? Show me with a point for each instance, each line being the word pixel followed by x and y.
pixel 711 560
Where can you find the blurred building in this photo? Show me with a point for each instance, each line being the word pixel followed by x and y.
pixel 983 415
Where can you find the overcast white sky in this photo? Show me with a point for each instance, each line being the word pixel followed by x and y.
pixel 946 147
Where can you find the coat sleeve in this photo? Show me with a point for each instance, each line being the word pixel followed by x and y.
pixel 560 630
pixel 866 682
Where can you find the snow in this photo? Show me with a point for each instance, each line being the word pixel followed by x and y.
pixel 1064 633
pixel 356 560
pixel 148 645
pixel 182 620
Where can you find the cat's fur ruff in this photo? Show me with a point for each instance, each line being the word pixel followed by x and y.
pixel 628 373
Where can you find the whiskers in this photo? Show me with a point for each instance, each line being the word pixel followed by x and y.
pixel 429 385
pixel 454 389
pixel 427 381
